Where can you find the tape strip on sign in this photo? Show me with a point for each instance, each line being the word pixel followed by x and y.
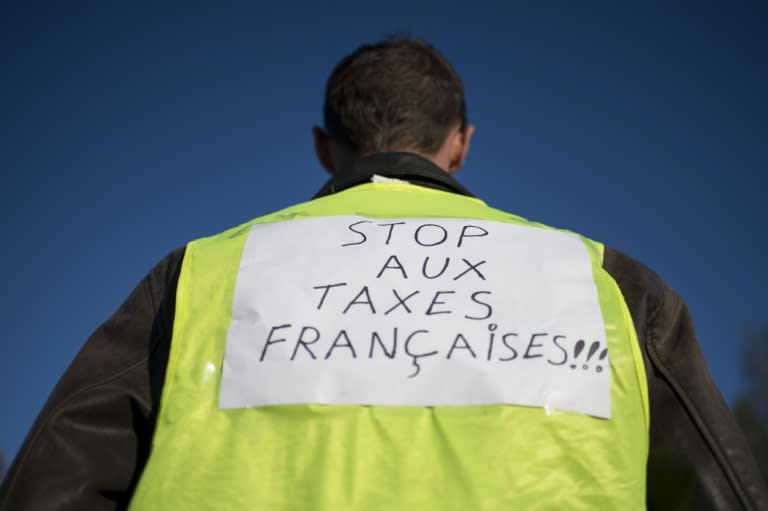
pixel 415 312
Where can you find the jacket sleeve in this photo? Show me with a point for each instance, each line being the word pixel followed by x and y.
pixel 698 459
pixel 89 444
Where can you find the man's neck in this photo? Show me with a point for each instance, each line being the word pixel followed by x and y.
pixel 409 167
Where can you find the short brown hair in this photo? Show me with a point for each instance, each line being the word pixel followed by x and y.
pixel 398 94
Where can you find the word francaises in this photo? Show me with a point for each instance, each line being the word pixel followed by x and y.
pixel 306 343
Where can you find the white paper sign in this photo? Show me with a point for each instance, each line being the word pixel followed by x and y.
pixel 415 312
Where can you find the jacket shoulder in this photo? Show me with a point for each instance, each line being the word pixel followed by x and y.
pixel 111 390
pixel 698 456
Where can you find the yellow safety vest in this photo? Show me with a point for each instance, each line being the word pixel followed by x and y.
pixel 357 457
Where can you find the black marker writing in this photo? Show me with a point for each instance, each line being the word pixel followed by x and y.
pixel 436 302
pixel 513 356
pixel 305 344
pixel 418 236
pixel 463 346
pixel 465 233
pixel 434 276
pixel 337 344
pixel 391 228
pixel 363 236
pixel 367 300
pixel 555 341
pixel 489 309
pixel 271 341
pixel 325 292
pixel 395 266
pixel 491 328
pixel 532 344
pixel 472 267
pixel 401 301
pixel 416 356
pixel 376 339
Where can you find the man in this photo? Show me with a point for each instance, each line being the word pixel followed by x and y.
pixel 393 343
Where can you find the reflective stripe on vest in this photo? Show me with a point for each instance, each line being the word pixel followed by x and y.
pixel 243 426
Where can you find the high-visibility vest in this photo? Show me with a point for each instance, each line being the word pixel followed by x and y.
pixel 337 452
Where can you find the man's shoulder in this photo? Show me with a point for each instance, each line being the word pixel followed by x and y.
pixel 652 302
pixel 638 283
pixel 167 269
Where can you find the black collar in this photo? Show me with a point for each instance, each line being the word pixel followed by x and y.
pixel 406 166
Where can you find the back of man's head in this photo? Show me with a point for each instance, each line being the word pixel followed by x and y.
pixel 396 95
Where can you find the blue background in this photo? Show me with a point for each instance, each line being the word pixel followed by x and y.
pixel 128 130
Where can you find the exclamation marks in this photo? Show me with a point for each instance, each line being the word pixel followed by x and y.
pixel 578 348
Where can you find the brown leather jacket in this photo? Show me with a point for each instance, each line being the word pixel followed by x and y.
pixel 89 444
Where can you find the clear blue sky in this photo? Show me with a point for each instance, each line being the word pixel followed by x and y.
pixel 126 131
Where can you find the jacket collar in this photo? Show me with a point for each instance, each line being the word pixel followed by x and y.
pixel 406 166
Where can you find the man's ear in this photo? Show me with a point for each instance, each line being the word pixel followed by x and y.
pixel 323 149
pixel 460 147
